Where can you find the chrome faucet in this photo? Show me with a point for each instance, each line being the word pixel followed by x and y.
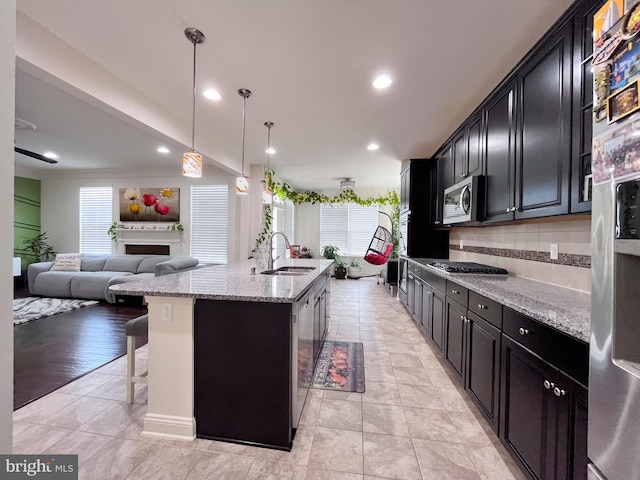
pixel 270 256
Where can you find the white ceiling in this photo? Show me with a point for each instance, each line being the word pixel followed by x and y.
pixel 108 82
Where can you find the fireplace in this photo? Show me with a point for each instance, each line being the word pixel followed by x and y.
pixel 142 249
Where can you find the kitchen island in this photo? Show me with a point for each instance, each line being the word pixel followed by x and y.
pixel 230 350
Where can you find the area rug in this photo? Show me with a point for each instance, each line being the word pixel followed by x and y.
pixel 340 367
pixel 32 308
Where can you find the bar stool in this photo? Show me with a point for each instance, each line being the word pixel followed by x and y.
pixel 138 327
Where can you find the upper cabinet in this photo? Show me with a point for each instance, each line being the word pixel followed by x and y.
pixel 583 109
pixel 531 137
pixel 500 154
pixel 467 151
pixel 444 179
pixel 543 141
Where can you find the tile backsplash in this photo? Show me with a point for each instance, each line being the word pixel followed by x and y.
pixel 523 249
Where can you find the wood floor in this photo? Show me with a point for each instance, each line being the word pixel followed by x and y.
pixel 51 352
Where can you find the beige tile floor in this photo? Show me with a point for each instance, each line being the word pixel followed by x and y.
pixel 413 421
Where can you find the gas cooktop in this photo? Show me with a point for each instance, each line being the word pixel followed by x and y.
pixel 466 267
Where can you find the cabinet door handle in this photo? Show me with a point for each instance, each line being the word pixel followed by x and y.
pixel 558 392
pixel 456 292
pixel 524 331
pixel 548 385
pixel 513 209
pixel 482 307
pixel 508 210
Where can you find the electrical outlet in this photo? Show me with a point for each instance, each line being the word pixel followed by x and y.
pixel 554 251
pixel 461 244
pixel 167 312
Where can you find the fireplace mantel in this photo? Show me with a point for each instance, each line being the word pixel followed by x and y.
pixel 149 236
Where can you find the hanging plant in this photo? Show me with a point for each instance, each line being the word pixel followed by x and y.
pixel 284 191
pixel 265 231
pixel 113 231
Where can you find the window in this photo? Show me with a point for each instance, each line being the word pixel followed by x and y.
pixel 283 218
pixel 96 212
pixel 349 227
pixel 209 217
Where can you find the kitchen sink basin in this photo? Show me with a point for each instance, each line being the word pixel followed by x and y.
pixel 290 271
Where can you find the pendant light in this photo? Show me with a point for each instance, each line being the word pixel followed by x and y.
pixel 267 194
pixel 242 182
pixel 191 160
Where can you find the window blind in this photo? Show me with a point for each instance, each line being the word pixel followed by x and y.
pixel 96 207
pixel 283 221
pixel 209 223
pixel 349 226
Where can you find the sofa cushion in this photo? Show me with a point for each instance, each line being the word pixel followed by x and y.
pixel 148 265
pixel 110 296
pixel 123 263
pixel 92 285
pixel 53 284
pixel 176 264
pixel 93 263
pixel 67 262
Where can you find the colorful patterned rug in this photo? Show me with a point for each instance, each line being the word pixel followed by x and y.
pixel 340 367
pixel 32 308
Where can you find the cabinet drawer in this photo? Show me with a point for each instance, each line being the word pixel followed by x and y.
pixel 415 269
pixel 457 293
pixel 437 282
pixel 486 308
pixel 568 354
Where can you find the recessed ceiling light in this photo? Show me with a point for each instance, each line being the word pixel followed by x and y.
pixel 382 81
pixel 270 151
pixel 373 146
pixel 50 155
pixel 163 150
pixel 212 94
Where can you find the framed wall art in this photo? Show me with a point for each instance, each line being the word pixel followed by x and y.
pixel 623 102
pixel 149 204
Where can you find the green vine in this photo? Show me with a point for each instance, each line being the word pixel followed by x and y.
pixel 113 231
pixel 284 191
pixel 267 219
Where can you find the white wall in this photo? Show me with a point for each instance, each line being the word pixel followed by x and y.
pixel 60 206
pixel 7 109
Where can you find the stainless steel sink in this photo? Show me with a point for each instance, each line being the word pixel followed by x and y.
pixel 290 271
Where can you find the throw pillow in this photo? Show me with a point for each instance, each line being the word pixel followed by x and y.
pixel 67 262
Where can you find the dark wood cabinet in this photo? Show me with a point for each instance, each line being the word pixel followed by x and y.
pixel 582 108
pixel 437 318
pixel 426 319
pixel 482 379
pixel 543 415
pixel 500 154
pixel 543 141
pixel 472 349
pixel 459 156
pixel 444 179
pixel 455 322
pixel 418 189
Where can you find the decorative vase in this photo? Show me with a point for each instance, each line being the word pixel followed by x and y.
pixel 340 272
pixel 354 272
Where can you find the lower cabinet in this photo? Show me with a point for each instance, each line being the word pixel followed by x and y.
pixel 526 378
pixel 544 415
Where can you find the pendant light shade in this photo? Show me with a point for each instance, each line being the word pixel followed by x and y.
pixel 267 194
pixel 242 182
pixel 192 161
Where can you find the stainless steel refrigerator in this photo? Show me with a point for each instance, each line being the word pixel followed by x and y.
pixel 614 380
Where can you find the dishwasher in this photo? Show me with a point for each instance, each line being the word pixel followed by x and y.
pixel 302 351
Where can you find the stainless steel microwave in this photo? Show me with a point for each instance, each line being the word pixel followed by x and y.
pixel 462 201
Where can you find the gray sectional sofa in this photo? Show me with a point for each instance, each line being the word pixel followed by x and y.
pixel 98 272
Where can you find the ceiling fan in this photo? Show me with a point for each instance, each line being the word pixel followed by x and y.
pixel 21 124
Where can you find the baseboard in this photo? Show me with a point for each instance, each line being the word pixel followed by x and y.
pixel 170 427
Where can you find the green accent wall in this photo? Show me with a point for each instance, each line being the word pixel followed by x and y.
pixel 26 221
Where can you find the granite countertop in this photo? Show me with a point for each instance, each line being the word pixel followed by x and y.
pixel 233 281
pixel 566 310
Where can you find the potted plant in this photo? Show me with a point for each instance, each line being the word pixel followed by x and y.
pixel 330 252
pixel 39 247
pixel 340 270
pixel 354 270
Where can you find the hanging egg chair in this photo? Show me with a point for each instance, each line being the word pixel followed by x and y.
pixel 381 246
